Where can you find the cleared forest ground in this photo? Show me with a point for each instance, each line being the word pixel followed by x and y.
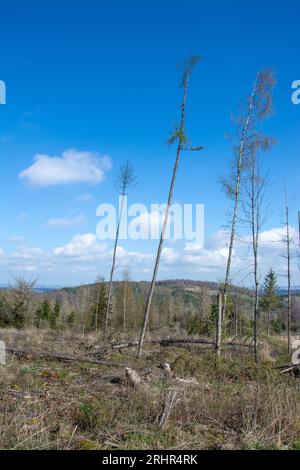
pixel 227 403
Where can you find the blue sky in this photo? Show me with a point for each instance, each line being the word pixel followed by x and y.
pixel 101 77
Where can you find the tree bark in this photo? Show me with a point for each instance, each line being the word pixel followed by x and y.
pixel 124 305
pixel 219 325
pixel 166 218
pixel 113 269
pixel 269 322
pixel 289 313
pixel 236 203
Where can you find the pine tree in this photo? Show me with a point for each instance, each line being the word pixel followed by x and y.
pixel 43 313
pixel 270 299
pixel 38 316
pixel 99 306
pixel 54 315
pixel 70 320
pixel 5 312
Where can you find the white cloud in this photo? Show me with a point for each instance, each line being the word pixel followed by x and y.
pixel 71 167
pixel 84 257
pixel 65 222
pixel 81 246
pixel 169 256
pixel 277 235
pixel 28 253
pixel 131 258
pixel 87 248
pixel 24 259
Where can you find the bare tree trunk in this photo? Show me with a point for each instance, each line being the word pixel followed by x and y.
pixel 97 310
pixel 236 202
pixel 180 136
pixel 255 226
pixel 236 323
pixel 288 243
pixel 158 255
pixel 113 268
pixel 298 229
pixel 256 305
pixel 258 108
pixel 219 325
pixel 125 179
pixel 236 314
pixel 124 305
pixel 269 323
pixel 255 216
pixel 237 191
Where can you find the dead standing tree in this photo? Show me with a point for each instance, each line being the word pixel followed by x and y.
pixel 256 212
pixel 125 179
pixel 125 282
pixel 178 136
pixel 257 107
pixel 288 258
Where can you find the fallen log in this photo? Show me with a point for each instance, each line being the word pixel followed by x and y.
pixel 162 342
pixel 60 357
pixel 173 341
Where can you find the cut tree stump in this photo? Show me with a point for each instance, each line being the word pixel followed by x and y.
pixel 135 381
pixel 172 376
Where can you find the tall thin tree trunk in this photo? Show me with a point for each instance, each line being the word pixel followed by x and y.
pixel 124 305
pixel 166 218
pixel 236 206
pixel 113 268
pixel 288 242
pixel 298 229
pixel 269 323
pixel 97 310
pixel 158 255
pixel 255 234
pixel 259 107
pixel 236 322
pixel 256 305
pixel 219 323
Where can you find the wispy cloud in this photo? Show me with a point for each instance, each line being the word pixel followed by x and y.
pixel 66 222
pixel 71 167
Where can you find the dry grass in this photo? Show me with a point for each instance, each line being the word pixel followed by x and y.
pixel 52 405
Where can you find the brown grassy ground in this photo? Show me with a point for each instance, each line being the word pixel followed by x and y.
pixel 56 405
